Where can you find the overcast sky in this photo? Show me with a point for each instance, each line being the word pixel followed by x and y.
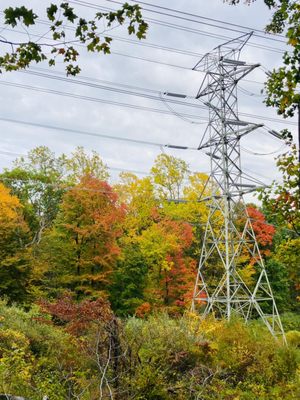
pixel 124 66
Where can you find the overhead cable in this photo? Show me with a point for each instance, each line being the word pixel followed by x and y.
pixel 100 135
pixel 86 82
pixel 227 26
pixel 181 12
pixel 134 106
pixel 263 154
pixel 149 60
pixel 116 38
pixel 99 100
pixel 212 35
pixel 184 28
pixel 40 72
pixel 118 138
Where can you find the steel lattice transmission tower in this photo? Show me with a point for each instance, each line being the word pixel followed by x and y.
pixel 221 286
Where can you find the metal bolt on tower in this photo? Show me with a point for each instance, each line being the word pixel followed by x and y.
pixel 222 286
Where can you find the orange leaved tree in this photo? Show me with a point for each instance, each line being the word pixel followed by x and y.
pixel 82 246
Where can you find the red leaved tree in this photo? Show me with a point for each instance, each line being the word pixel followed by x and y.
pixel 264 231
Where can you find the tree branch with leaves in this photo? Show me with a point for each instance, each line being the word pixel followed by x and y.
pixel 85 32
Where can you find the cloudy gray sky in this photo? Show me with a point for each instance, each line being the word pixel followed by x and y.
pixel 156 65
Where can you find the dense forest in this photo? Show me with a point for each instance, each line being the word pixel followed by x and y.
pixel 96 281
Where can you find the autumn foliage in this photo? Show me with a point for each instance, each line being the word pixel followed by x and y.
pixel 65 229
pixel 91 217
pixel 106 274
pixel 77 317
pixel 264 231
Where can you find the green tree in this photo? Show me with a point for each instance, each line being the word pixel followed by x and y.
pixel 81 164
pixel 283 83
pixel 281 201
pixel 288 253
pixel 12 224
pixel 281 284
pixel 169 174
pixel 36 181
pixel 126 292
pixel 62 43
pixel 129 277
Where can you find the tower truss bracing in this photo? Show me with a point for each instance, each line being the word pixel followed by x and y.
pixel 231 277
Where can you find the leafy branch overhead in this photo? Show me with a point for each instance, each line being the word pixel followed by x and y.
pixel 89 33
pixel 282 87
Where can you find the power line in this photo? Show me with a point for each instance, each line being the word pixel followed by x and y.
pixel 118 138
pixel 117 38
pixel 68 130
pixel 10 153
pixel 167 64
pixel 109 88
pixel 133 171
pixel 162 23
pixel 263 154
pixel 249 93
pixel 99 135
pixel 212 35
pixel 98 100
pixel 117 53
pixel 156 46
pixel 177 114
pixel 257 174
pixel 137 107
pixel 181 17
pixel 180 27
pixel 102 81
pixel 182 103
pixel 202 17
pixel 171 25
pixel 131 41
